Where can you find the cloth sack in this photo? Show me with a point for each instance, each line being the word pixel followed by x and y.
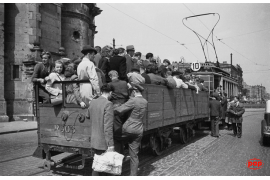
pixel 109 162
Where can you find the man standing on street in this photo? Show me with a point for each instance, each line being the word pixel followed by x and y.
pixel 224 103
pixel 236 112
pixel 215 114
pixel 100 112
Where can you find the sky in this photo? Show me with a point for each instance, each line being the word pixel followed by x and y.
pixel 243 30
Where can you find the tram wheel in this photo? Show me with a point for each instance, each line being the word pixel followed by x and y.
pixel 156 145
pixel 183 135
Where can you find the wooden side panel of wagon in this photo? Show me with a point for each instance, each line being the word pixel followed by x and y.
pixel 71 133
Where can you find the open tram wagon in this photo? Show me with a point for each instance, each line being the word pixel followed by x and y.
pixel 64 128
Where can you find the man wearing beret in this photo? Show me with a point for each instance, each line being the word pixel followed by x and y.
pixel 87 71
pixel 133 127
pixel 163 68
pixel 129 61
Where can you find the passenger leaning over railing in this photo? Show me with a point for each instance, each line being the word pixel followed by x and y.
pixel 171 82
pixel 135 77
pixel 55 89
pixel 86 71
pixel 73 95
pixel 179 82
pixel 186 79
pixel 41 71
pixel 152 71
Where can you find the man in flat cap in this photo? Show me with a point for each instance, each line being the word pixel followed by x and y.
pixel 133 127
pixel 129 61
pixel 86 71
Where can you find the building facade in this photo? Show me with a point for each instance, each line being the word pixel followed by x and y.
pixel 25 31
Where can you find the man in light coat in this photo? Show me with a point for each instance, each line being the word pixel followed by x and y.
pixel 87 71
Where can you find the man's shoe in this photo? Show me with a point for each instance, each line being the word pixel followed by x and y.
pixel 239 135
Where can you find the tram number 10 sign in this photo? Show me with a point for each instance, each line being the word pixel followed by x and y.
pixel 195 66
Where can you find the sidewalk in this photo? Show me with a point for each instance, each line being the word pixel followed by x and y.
pixel 17 126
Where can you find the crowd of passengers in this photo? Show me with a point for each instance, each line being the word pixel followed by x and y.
pixel 118 67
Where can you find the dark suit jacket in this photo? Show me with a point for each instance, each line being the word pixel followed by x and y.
pixel 215 108
pixel 236 112
pixel 129 63
pixel 103 65
pixel 118 63
pixel 224 104
pixel 101 114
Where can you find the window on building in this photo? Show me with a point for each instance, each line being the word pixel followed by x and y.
pixel 15 72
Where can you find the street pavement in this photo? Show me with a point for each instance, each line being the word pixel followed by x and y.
pixel 204 155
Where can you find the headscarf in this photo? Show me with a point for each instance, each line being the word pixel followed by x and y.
pixel 105 51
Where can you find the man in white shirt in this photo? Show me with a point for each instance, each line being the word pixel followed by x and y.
pixel 179 82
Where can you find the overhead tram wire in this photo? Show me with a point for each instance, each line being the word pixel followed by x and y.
pixel 230 37
pixel 241 54
pixel 149 27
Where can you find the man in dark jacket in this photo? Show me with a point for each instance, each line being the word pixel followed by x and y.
pixel 215 114
pixel 236 111
pixel 224 103
pixel 129 58
pixel 118 63
pixel 101 115
pixel 133 127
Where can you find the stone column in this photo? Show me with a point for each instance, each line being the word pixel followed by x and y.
pixel 3 115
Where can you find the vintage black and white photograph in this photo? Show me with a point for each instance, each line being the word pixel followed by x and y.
pixel 134 88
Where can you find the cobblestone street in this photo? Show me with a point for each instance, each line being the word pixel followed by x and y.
pixel 204 155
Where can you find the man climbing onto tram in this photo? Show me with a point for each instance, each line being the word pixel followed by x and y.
pixel 133 127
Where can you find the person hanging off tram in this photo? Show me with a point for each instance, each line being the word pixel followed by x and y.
pixel 41 71
pixel 133 127
pixel 86 71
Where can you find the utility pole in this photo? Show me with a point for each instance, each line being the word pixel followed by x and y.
pixel 113 43
pixel 261 94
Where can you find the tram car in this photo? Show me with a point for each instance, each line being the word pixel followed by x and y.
pixel 64 128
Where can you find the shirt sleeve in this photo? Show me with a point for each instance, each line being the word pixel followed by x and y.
pixel 108 124
pixel 49 85
pixel 184 85
pixel 125 107
pixel 93 78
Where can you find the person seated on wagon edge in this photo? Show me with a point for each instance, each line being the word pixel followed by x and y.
pixel 152 71
pixel 73 90
pixel 41 71
pixel 135 77
pixel 179 82
pixel 57 75
pixel 171 82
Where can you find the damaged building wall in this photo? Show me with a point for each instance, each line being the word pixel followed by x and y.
pixel 29 29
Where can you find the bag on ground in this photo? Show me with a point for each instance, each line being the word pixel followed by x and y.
pixel 108 162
